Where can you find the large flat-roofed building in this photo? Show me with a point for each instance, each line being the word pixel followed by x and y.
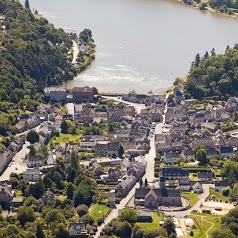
pixel 83 94
pixel 55 94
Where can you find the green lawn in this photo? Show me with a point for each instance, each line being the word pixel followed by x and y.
pixel 98 211
pixel 192 196
pixel 218 195
pixel 63 138
pixel 203 223
pixel 155 223
pixel 232 131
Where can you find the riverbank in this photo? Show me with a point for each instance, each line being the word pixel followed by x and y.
pixel 209 9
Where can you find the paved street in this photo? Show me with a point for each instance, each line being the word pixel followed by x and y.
pixel 114 213
pixel 17 165
pixel 137 106
pixel 75 52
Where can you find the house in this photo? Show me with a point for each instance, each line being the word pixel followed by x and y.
pixel 197 187
pixel 82 94
pixel 97 168
pixel 174 172
pixel 5 195
pixel 207 142
pixel 55 94
pixel 16 145
pixel 184 184
pixel 32 175
pixel 17 201
pixel 152 198
pixel 20 126
pixel 170 157
pixel 47 196
pixel 113 174
pixel 205 176
pixel 212 127
pixel 34 161
pixel 188 155
pixel 226 151
pixel 112 198
pixel 125 185
pixel 77 228
pixel 221 184
pixel 88 143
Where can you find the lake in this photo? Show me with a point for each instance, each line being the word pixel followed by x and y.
pixel 142 45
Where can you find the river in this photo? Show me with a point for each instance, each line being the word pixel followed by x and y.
pixel 141 44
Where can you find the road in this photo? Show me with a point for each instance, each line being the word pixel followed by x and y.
pixel 25 132
pixel 137 106
pixel 17 165
pixel 70 108
pixel 202 197
pixel 149 159
pixel 75 52
pixel 114 213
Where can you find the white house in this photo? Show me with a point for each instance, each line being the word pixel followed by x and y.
pixel 32 175
pixel 34 161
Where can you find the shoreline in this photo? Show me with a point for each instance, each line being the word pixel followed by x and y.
pixel 209 9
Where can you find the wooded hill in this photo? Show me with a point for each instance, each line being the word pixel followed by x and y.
pixel 32 51
pixel 214 75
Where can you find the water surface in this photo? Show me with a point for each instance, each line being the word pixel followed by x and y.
pixel 141 44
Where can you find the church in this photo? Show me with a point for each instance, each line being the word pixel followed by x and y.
pixel 155 197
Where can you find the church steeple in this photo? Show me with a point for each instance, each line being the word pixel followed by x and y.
pixel 162 181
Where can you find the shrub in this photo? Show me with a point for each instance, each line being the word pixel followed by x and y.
pixel 99 221
pixel 191 233
pixel 82 210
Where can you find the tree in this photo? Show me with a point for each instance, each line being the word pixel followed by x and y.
pixel 224 233
pixel 74 160
pixel 27 5
pixel 32 150
pixel 141 182
pixel 61 231
pixel 125 229
pixel 169 226
pixel 88 219
pixel 25 214
pixel 54 217
pixel 32 136
pixel 82 210
pixel 146 183
pixel 201 156
pixel 128 215
pixel 68 127
pixel 39 231
pixel 70 190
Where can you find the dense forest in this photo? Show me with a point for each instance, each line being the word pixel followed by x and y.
pixel 33 53
pixel 214 75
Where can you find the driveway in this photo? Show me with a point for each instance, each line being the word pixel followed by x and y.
pixel 202 197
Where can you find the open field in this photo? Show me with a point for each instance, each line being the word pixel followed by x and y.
pixel 98 211
pixel 63 138
pixel 205 223
pixel 155 223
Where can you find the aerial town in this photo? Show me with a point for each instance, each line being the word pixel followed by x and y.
pixel 159 155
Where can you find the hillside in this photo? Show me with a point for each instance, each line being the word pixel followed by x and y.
pixel 214 75
pixel 33 53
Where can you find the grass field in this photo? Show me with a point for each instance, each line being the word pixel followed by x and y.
pixel 155 223
pixel 98 211
pixel 232 131
pixel 205 224
pixel 192 196
pixel 63 138
pixel 218 195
